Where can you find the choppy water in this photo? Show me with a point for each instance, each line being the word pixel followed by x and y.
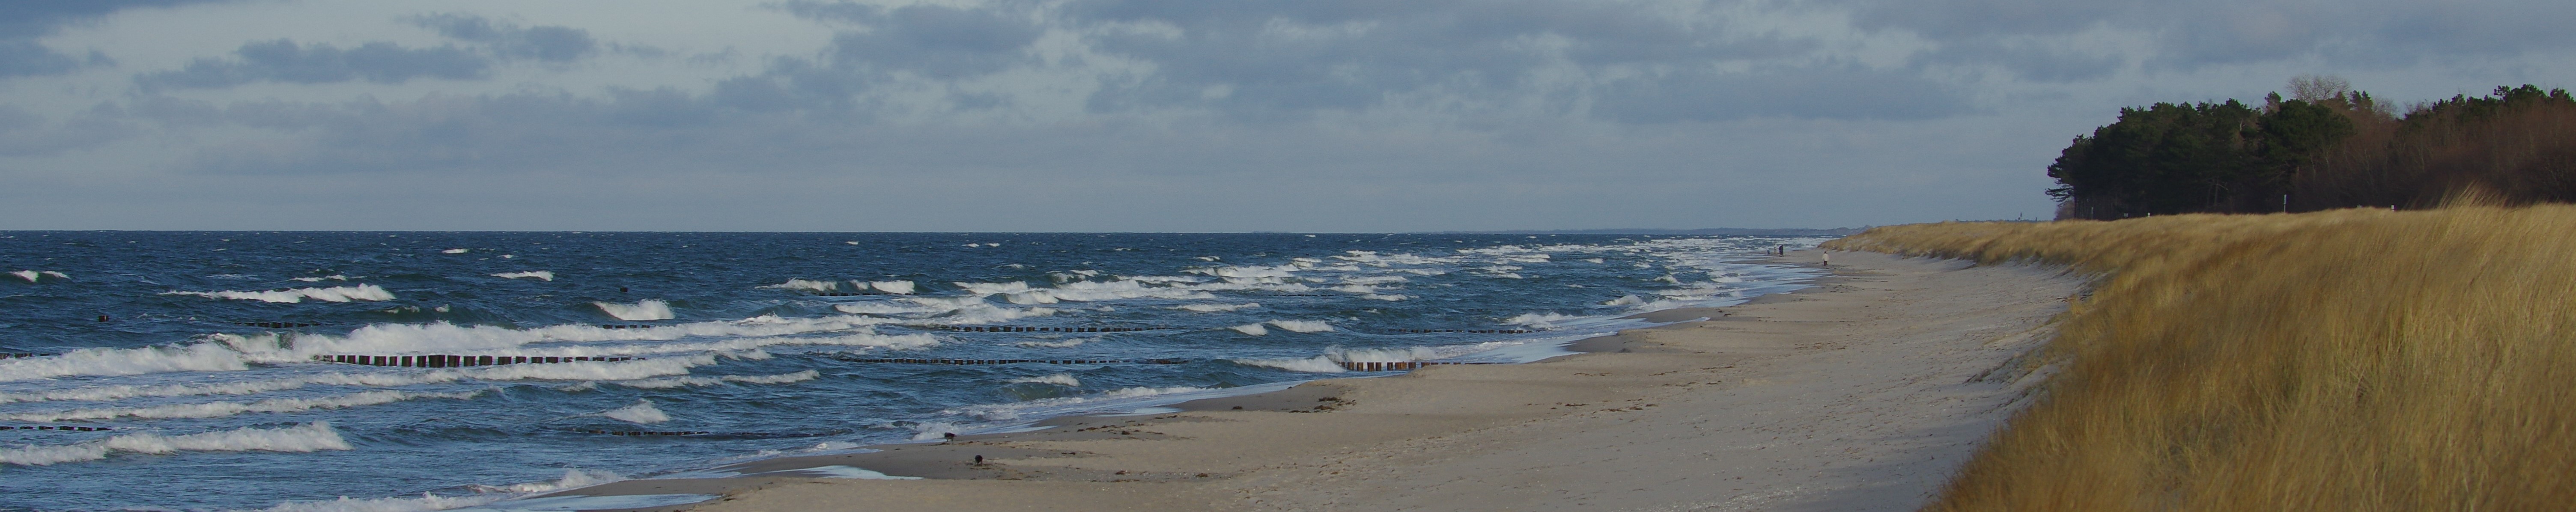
pixel 197 350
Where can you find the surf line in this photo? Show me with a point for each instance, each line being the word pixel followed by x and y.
pixel 1357 366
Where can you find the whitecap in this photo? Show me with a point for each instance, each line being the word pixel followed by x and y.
pixel 647 309
pixel 1215 308
pixel 1318 364
pixel 367 292
pixel 544 275
pixel 1060 379
pixel 801 284
pixel 1544 320
pixel 893 287
pixel 223 409
pixel 642 412
pixel 1302 325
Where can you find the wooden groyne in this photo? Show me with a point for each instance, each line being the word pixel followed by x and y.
pixel 452 361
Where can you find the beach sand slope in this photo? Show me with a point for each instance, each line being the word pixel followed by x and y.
pixel 1862 393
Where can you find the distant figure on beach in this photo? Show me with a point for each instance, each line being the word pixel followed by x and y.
pixel 1828 259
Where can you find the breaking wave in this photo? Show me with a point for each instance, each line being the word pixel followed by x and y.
pixel 222 409
pixel 648 309
pixel 643 412
pixel 367 292
pixel 309 437
pixel 1060 379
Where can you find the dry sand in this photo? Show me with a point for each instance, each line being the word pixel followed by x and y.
pixel 1861 393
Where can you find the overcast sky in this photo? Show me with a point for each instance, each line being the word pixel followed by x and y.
pixel 1145 115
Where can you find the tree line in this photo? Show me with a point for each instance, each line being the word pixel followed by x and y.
pixel 2325 146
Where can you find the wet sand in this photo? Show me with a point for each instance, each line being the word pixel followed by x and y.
pixel 1861 393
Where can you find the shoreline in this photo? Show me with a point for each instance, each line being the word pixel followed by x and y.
pixel 1730 413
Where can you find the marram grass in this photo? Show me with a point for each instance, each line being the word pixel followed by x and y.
pixel 2353 360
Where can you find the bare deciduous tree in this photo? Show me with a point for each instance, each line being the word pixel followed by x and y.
pixel 2316 88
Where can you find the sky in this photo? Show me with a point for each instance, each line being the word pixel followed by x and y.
pixel 1146 115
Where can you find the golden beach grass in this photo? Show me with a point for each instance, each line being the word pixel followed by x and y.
pixel 2339 360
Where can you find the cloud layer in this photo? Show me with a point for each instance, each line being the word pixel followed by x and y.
pixel 1296 115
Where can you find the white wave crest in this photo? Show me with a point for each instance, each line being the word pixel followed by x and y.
pixel 1054 344
pixel 202 357
pixel 456 251
pixel 366 292
pixel 893 287
pixel 800 284
pixel 332 277
pixel 1216 308
pixel 1390 355
pixel 643 412
pixel 572 479
pixel 1317 364
pixel 1302 325
pixel 1251 329
pixel 544 275
pixel 425 503
pixel 1091 291
pixel 647 309
pixel 1545 320
pixel 994 288
pixel 1386 297
pixel 674 382
pixel 32 275
pixel 1625 300
pixel 578 370
pixel 1060 379
pixel 305 438
pixel 222 409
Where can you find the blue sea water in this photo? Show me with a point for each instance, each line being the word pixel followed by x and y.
pixel 192 370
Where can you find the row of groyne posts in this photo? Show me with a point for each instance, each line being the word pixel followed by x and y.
pixel 455 361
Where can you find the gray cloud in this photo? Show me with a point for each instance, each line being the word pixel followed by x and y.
pixel 24 133
pixel 285 61
pixel 1288 60
pixel 21 23
pixel 2195 33
pixel 1293 56
pixel 548 43
pixel 1810 92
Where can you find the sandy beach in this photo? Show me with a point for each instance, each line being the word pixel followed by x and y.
pixel 1861 393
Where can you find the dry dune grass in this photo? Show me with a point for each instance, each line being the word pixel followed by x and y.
pixel 2338 360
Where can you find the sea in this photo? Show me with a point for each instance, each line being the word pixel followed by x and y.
pixel 434 370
